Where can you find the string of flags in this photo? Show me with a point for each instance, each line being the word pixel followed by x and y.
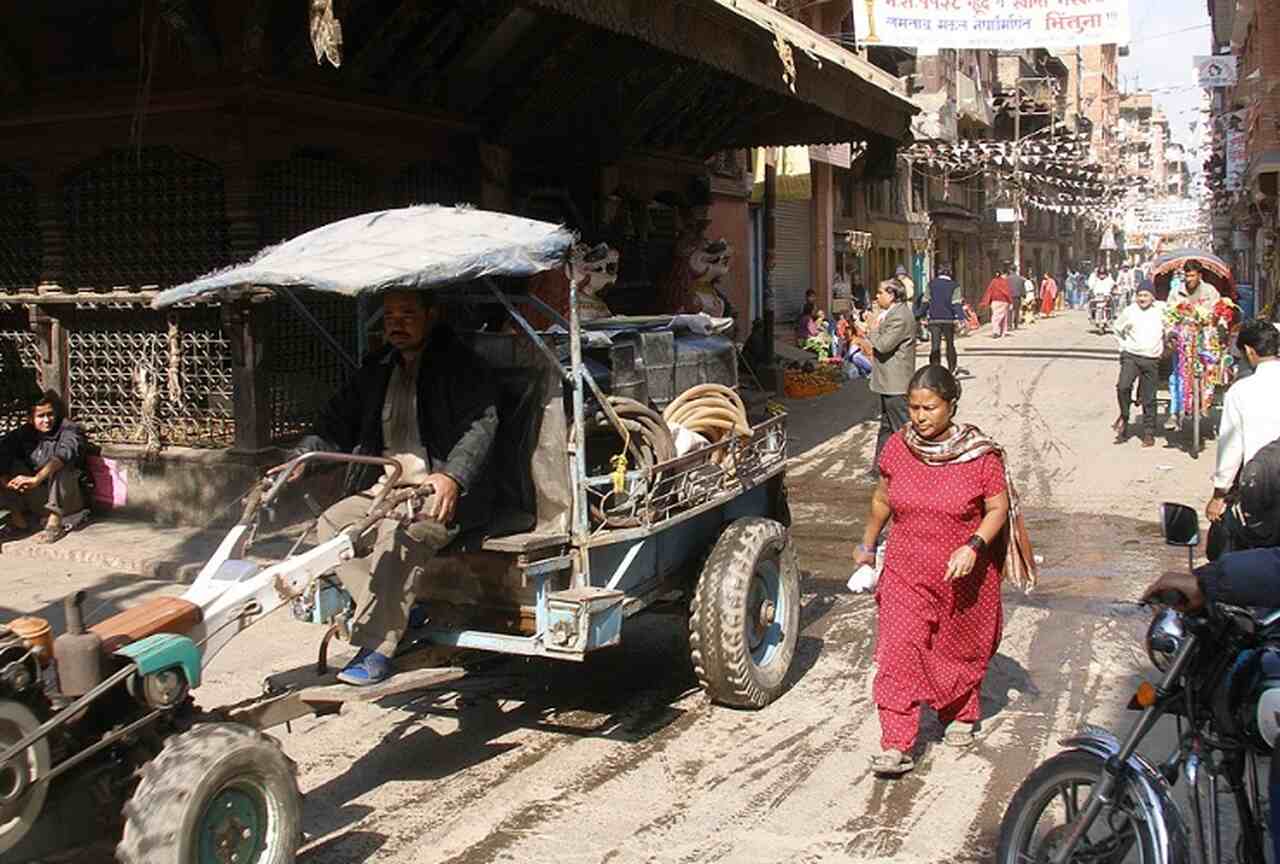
pixel 1051 174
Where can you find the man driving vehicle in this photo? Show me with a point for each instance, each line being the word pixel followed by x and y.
pixel 427 402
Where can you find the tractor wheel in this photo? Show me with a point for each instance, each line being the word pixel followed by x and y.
pixel 218 794
pixel 20 802
pixel 744 620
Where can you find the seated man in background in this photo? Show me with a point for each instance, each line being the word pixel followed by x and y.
pixel 428 403
pixel 42 460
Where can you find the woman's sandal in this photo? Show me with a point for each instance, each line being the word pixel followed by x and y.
pixel 891 763
pixel 959 734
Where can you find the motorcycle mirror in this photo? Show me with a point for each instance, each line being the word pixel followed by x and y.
pixel 1180 524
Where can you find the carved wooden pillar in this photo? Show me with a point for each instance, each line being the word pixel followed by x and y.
pixel 49 218
pixel 240 193
pixel 243 323
pixel 51 338
pixel 495 177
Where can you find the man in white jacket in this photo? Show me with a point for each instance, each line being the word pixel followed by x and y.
pixel 1250 421
pixel 1140 329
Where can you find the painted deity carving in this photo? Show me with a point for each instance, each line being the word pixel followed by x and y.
pixel 593 270
pixel 710 265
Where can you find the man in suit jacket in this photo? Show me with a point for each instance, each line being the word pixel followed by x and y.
pixel 890 336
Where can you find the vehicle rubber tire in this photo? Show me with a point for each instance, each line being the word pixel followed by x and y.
pixel 1034 795
pixel 753 560
pixel 16 721
pixel 214 763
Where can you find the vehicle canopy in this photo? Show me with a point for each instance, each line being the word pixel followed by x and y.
pixel 1213 270
pixel 424 247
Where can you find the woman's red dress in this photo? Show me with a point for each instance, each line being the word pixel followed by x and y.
pixel 936 637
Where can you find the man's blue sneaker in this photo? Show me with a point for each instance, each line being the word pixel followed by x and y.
pixel 368 667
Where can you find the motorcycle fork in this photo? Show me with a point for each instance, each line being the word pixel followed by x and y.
pixel 1115 767
pixel 1246 798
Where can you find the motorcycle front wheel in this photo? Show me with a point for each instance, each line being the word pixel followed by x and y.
pixel 1044 809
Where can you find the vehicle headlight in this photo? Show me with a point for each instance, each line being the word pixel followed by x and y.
pixel 1164 638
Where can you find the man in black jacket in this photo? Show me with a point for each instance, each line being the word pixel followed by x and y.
pixel 942 304
pixel 40 464
pixel 427 402
pixel 1246 578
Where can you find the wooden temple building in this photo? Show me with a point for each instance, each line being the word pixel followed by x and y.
pixel 145 142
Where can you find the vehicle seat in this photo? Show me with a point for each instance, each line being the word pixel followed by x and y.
pixel 529 453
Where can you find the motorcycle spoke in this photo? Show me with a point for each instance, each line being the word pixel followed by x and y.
pixel 1070 801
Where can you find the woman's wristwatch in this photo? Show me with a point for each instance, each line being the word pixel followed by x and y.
pixel 976 543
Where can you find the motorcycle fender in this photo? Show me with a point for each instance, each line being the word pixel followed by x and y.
pixel 1152 794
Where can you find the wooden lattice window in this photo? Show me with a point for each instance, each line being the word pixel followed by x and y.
pixel 306 191
pixel 140 376
pixel 428 183
pixel 20 246
pixel 303 373
pixel 19 367
pixel 153 216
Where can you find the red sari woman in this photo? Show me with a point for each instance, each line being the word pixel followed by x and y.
pixel 940 617
pixel 1048 295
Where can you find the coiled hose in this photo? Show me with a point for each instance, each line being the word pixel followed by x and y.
pixel 714 411
pixel 648 443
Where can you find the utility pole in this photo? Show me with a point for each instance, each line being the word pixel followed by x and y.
pixel 1017 176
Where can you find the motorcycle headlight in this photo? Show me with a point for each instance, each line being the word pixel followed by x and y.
pixel 1164 638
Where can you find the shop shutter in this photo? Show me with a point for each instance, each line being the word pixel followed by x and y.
pixel 792 274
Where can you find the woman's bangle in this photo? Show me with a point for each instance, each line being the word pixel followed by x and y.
pixel 976 543
pixel 863 547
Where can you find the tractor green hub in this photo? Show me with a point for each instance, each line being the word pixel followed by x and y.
pixel 233 826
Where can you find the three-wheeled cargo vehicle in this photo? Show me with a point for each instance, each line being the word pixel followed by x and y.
pixel 601 515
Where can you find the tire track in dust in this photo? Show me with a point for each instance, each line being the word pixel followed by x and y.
pixel 1029 728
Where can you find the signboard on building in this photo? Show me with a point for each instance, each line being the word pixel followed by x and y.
pixel 1216 71
pixel 839 155
pixel 1008 24
pixel 1237 138
pixel 1006 214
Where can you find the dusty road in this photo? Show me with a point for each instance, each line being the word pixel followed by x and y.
pixel 622 759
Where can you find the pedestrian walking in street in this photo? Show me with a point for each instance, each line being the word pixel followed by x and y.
pixel 944 486
pixel 1140 330
pixel 1017 289
pixel 998 299
pixel 943 303
pixel 890 340
pixel 1048 295
pixel 1250 421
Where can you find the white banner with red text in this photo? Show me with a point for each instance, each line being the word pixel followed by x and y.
pixel 1010 24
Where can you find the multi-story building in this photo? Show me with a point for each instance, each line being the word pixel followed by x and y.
pixel 1245 164
pixel 584 113
pixel 1032 96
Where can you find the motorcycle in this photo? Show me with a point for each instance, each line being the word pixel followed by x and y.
pixel 1100 313
pixel 1100 801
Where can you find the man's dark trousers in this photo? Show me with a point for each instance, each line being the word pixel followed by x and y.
pixel 938 331
pixel 1144 371
pixel 893 416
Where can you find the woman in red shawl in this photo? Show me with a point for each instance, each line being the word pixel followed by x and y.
pixel 940 616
